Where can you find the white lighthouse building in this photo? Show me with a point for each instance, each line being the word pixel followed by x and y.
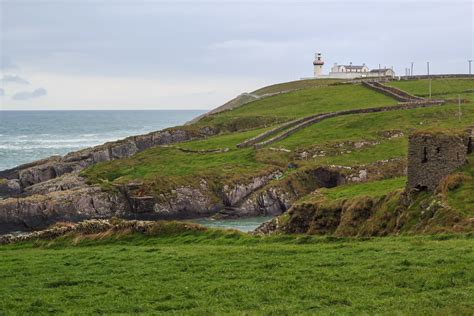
pixel 349 71
pixel 318 65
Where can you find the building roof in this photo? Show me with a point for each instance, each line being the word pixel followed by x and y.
pixel 380 70
pixel 354 66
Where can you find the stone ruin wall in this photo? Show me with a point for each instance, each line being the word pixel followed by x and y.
pixel 432 156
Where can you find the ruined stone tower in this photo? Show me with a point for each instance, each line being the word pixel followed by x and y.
pixel 433 155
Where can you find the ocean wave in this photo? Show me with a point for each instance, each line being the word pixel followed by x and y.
pixel 48 146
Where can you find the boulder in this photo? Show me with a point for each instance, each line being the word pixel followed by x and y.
pixel 9 188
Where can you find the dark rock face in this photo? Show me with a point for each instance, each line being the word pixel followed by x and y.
pixel 39 211
pixel 328 178
pixel 69 199
pixel 432 156
pixel 279 197
pixel 10 187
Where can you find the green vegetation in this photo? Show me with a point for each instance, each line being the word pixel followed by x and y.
pixel 380 208
pixel 163 168
pixel 288 106
pixel 295 85
pixel 169 166
pixel 216 273
pixel 370 189
pixel 460 191
pixel 440 88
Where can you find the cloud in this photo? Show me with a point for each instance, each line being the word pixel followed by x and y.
pixel 2 92
pixel 25 95
pixel 13 79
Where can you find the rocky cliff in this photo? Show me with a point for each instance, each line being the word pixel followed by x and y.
pixel 69 198
pixel 433 158
pixel 16 181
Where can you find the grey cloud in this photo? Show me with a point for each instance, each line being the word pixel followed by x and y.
pixel 2 92
pixel 25 95
pixel 13 79
pixel 274 39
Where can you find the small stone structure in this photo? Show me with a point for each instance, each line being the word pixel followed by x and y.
pixel 433 155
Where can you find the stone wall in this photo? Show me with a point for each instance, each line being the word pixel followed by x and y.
pixel 434 155
pixel 393 92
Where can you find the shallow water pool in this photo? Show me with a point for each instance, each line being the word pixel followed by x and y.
pixel 243 224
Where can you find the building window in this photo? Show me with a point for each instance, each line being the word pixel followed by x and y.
pixel 425 156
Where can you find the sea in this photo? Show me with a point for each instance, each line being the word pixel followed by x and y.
pixel 26 136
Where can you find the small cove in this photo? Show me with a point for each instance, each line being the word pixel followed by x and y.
pixel 242 224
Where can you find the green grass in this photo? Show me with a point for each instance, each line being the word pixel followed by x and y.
pixel 295 85
pixel 302 103
pixel 216 273
pixel 370 127
pixel 222 141
pixel 370 189
pixel 167 167
pixel 440 88
pixel 462 197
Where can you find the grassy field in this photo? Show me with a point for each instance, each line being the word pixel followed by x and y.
pixel 229 273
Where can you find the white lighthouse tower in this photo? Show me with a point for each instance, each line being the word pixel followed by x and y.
pixel 318 65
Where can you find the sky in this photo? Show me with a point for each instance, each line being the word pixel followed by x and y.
pixel 136 54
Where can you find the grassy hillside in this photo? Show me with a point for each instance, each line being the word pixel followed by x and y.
pixel 444 88
pixel 219 273
pixel 379 208
pixel 333 141
pixel 300 103
pixel 295 85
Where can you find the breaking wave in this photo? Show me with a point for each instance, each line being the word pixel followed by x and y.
pixel 27 136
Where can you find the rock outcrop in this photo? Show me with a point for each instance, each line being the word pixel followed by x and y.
pixel 100 228
pixel 68 198
pixel 43 170
pixel 39 211
pixel 370 216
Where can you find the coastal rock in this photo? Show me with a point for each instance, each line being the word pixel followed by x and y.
pixel 66 182
pixel 186 202
pixel 56 166
pixel 271 201
pixel 235 194
pixel 9 187
pixel 39 211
